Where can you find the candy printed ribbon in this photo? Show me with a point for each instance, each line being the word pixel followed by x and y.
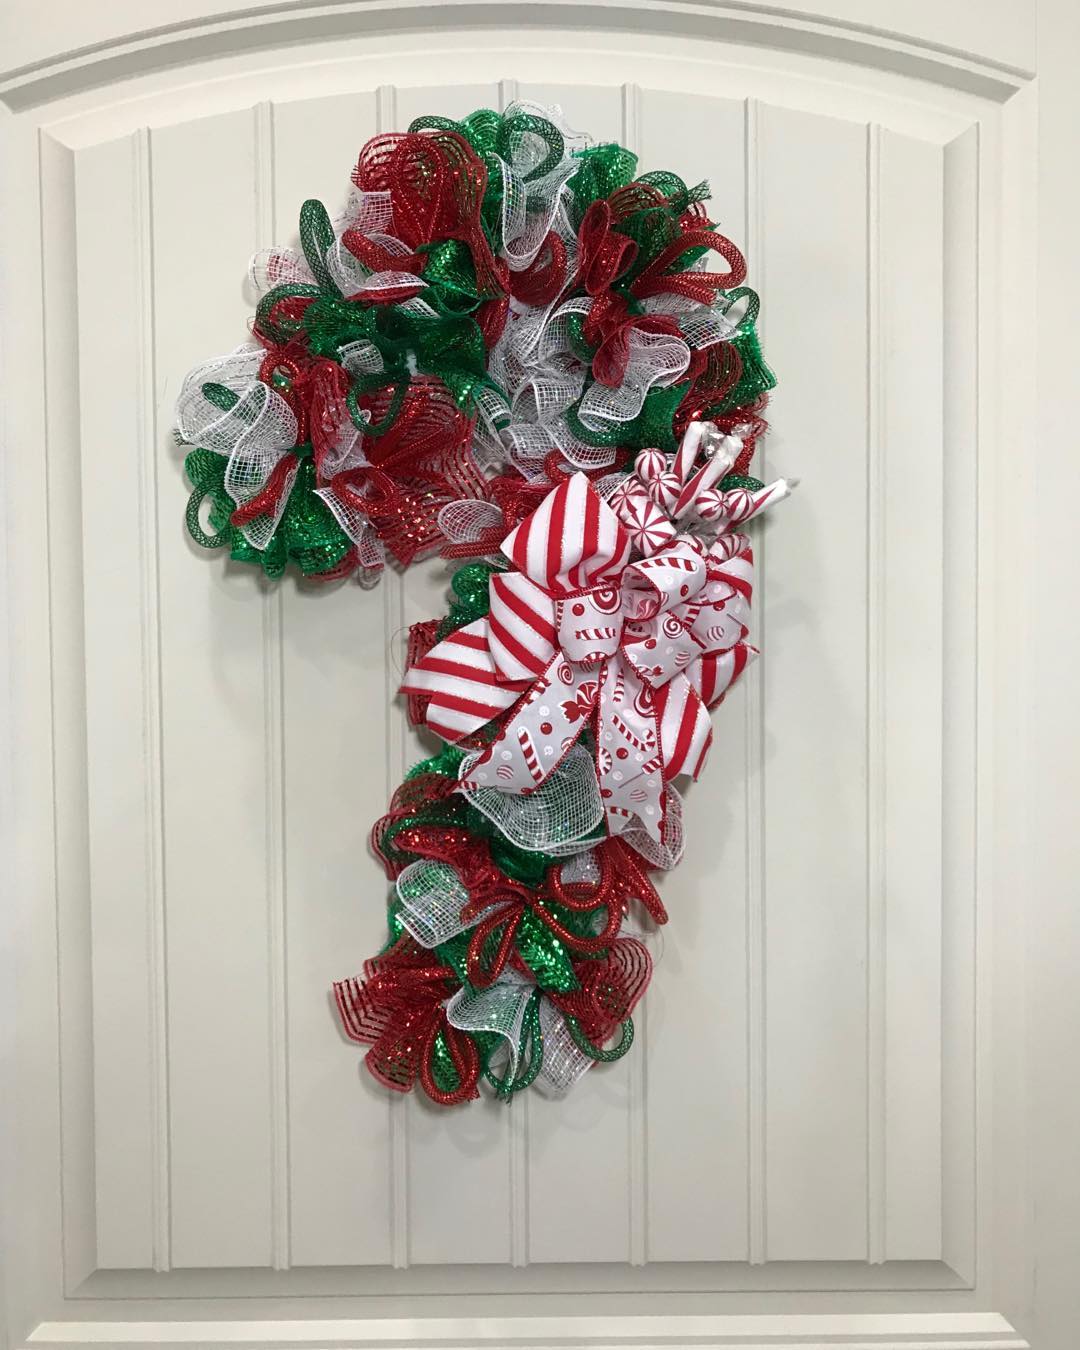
pixel 581 636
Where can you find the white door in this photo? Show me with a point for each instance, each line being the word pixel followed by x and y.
pixel 823 1137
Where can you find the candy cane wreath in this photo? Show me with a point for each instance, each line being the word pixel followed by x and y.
pixel 509 348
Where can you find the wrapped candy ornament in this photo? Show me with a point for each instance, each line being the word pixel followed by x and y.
pixel 514 349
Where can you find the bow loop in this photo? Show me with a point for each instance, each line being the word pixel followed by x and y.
pixel 660 583
pixel 573 541
pixel 521 626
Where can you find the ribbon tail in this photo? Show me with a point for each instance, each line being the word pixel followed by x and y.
pixel 685 728
pixel 714 674
pixel 628 755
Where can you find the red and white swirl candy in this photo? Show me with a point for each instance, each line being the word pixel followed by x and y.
pixel 663 490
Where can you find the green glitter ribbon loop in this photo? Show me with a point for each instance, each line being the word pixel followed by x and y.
pixel 596 1052
pixel 316 239
pixel 530 1055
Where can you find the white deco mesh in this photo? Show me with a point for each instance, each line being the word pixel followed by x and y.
pixel 356 526
pixel 580 867
pixel 432 898
pixel 563 1062
pixel 500 1008
pixel 704 327
pixel 467 520
pixel 530 204
pixel 362 358
pixel 666 853
pixel 655 359
pixel 554 819
pixel 197 419
pixel 272 267
pixel 242 482
pixel 390 281
pixel 254 433
pixel 367 212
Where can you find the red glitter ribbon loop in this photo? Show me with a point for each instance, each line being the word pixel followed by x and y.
pixel 656 279
pixel 398 1008
pixel 266 502
pixel 605 255
pixel 610 989
pixel 544 278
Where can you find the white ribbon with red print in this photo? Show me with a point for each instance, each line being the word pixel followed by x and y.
pixel 579 630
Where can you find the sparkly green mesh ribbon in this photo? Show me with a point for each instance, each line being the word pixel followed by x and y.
pixel 307 535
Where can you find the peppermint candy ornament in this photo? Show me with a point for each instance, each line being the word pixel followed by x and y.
pixel 646 523
pixel 663 490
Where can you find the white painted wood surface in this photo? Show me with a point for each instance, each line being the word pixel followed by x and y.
pixel 818 1116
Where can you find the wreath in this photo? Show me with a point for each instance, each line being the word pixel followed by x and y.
pixel 513 350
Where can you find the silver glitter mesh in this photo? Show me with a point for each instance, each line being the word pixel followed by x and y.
pixel 254 433
pixel 555 818
pixel 500 1009
pixel 581 867
pixel 667 852
pixel 467 520
pixel 563 1062
pixel 431 898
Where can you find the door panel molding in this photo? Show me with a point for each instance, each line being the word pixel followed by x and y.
pixel 756 25
pixel 945 1331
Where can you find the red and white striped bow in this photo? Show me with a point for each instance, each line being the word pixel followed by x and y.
pixel 581 636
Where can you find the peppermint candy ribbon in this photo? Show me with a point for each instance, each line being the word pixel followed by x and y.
pixel 579 636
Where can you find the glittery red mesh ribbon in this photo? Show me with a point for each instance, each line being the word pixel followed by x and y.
pixel 285 368
pixel 610 989
pixel 545 277
pixel 267 499
pixel 608 326
pixel 436 183
pixel 605 255
pixel 398 1009
pixel 377 257
pixel 493 314
pixel 327 409
pixel 418 465
pixel 422 791
pixel 661 277
pixel 422 637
